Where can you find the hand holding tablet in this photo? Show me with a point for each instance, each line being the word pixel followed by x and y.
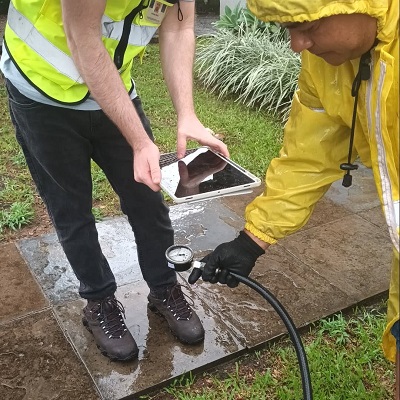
pixel 203 174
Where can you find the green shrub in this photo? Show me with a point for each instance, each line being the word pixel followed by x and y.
pixel 241 18
pixel 255 66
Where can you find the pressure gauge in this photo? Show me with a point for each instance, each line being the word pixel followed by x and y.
pixel 180 257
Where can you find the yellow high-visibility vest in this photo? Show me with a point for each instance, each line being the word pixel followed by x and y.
pixel 37 44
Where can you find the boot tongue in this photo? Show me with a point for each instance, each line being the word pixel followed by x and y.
pixel 112 313
pixel 109 306
pixel 176 300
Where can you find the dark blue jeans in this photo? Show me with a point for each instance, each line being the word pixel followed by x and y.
pixel 396 333
pixel 58 145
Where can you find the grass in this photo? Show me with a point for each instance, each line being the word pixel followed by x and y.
pixel 344 357
pixel 19 214
pixel 17 193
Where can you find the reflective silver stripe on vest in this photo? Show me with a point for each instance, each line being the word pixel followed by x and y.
pixel 25 30
pixel 62 62
pixel 139 35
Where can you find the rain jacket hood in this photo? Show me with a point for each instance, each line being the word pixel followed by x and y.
pixel 284 11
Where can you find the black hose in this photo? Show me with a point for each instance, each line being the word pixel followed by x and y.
pixel 283 314
pixel 291 327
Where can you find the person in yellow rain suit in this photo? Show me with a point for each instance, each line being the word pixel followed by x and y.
pixel 346 106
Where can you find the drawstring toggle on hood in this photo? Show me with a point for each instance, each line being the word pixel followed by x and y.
pixel 363 74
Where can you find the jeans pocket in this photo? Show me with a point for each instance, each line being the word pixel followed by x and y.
pixel 17 98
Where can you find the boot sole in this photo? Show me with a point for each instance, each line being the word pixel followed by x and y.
pixel 102 351
pixel 155 310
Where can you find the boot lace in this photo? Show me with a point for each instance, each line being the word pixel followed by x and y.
pixel 111 314
pixel 176 303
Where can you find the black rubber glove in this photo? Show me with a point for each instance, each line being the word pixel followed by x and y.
pixel 238 256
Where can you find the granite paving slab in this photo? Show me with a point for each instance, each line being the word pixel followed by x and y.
pixel 199 225
pixel 161 356
pixel 376 217
pixel 351 253
pixel 305 294
pixel 360 196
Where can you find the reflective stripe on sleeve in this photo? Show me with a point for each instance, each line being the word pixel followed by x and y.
pixel 389 205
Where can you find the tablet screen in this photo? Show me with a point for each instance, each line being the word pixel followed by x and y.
pixel 201 173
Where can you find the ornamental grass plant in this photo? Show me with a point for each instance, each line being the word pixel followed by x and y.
pixel 249 61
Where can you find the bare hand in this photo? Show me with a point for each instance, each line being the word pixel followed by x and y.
pixel 190 128
pixel 146 165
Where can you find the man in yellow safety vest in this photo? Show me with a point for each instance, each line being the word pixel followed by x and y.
pixel 67 66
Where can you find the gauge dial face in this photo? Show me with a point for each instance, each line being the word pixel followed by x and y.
pixel 179 254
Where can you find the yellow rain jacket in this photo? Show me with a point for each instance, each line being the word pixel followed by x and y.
pixel 317 133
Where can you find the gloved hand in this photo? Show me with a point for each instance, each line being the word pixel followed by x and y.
pixel 238 256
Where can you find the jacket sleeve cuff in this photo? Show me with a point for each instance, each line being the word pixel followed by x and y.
pixel 261 235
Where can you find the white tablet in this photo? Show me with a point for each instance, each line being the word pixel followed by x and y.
pixel 203 174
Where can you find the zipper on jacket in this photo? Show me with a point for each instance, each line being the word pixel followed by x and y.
pixel 123 43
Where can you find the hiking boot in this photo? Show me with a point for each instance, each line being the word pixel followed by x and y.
pixel 171 304
pixel 105 320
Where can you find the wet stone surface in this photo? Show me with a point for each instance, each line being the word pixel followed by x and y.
pixel 340 258
pixel 47 260
pixel 301 290
pixel 199 225
pixel 161 356
pixel 351 253
pixel 360 196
